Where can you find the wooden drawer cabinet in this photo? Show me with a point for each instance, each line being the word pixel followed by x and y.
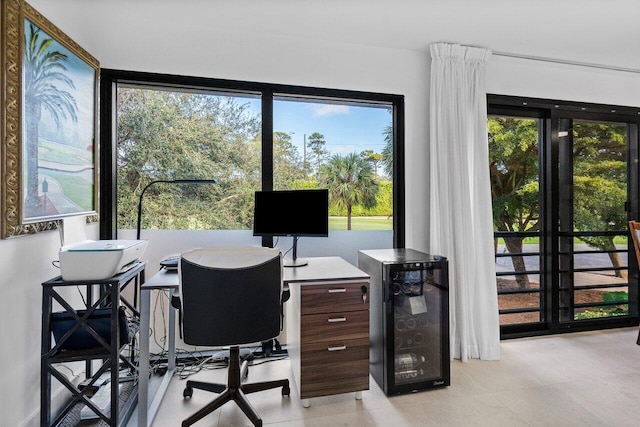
pixel 340 366
pixel 334 327
pixel 328 328
pixel 335 297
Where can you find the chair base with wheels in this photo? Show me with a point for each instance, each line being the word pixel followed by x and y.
pixel 233 390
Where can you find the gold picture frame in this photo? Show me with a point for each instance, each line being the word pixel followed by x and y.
pixel 49 145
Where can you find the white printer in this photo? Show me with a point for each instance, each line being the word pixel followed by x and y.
pixel 99 259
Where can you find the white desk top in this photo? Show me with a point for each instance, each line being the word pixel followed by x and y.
pixel 319 269
pixel 163 279
pixel 323 269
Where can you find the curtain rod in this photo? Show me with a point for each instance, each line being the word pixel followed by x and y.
pixel 566 62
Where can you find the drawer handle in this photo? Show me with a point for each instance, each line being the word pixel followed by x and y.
pixel 339 348
pixel 337 319
pixel 336 291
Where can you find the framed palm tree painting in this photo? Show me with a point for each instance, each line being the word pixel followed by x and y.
pixel 48 143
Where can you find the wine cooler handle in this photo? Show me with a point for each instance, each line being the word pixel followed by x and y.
pixel 336 291
pixel 337 319
pixel 339 348
pixel 388 292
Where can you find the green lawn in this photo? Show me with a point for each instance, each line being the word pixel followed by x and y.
pixel 63 153
pixel 76 189
pixel 361 223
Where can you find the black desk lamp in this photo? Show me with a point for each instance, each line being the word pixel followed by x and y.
pixel 167 181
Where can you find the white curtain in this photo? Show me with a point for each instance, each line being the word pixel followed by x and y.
pixel 461 224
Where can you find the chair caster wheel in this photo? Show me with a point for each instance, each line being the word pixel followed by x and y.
pixel 286 391
pixel 187 393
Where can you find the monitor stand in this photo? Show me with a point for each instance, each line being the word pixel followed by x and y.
pixel 295 262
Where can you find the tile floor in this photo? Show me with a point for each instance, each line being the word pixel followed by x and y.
pixel 579 379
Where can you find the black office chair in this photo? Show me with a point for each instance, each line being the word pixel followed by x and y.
pixel 231 296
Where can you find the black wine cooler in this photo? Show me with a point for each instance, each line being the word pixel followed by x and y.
pixel 409 324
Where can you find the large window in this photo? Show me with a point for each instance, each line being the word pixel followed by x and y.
pixel 248 137
pixel 164 134
pixel 564 180
pixel 344 147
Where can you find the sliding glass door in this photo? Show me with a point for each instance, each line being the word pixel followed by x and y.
pixel 514 165
pixel 593 220
pixel 564 184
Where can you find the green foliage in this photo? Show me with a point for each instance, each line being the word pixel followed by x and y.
pixel 600 182
pixel 615 296
pixel 598 189
pixel 287 163
pixel 387 150
pixel 513 168
pixel 350 181
pixel 372 157
pixel 596 314
pixel 317 154
pixel 167 135
pixel 607 311
pixel 304 184
pixel 176 135
pixel 598 205
pixel 513 165
pixel 383 206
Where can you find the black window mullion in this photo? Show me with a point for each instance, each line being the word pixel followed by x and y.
pixel 108 177
pixel 267 150
pixel 545 156
pixel 398 176
pixel 564 295
pixel 267 140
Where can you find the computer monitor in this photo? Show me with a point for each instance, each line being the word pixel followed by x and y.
pixel 294 213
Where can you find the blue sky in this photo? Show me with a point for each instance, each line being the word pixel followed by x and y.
pixel 346 128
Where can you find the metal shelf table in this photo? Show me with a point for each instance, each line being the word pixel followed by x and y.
pixel 108 296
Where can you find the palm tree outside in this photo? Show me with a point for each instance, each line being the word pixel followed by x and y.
pixel 44 71
pixel 387 150
pixel 351 182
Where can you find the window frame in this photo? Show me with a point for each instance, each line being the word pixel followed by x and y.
pixel 110 78
pixel 550 112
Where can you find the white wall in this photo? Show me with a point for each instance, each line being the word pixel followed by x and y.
pixel 26 263
pixel 536 79
pixel 190 47
pixel 130 35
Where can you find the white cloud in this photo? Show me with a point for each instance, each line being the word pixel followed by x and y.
pixel 329 110
pixel 345 149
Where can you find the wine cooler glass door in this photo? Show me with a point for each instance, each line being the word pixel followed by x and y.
pixel 416 319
